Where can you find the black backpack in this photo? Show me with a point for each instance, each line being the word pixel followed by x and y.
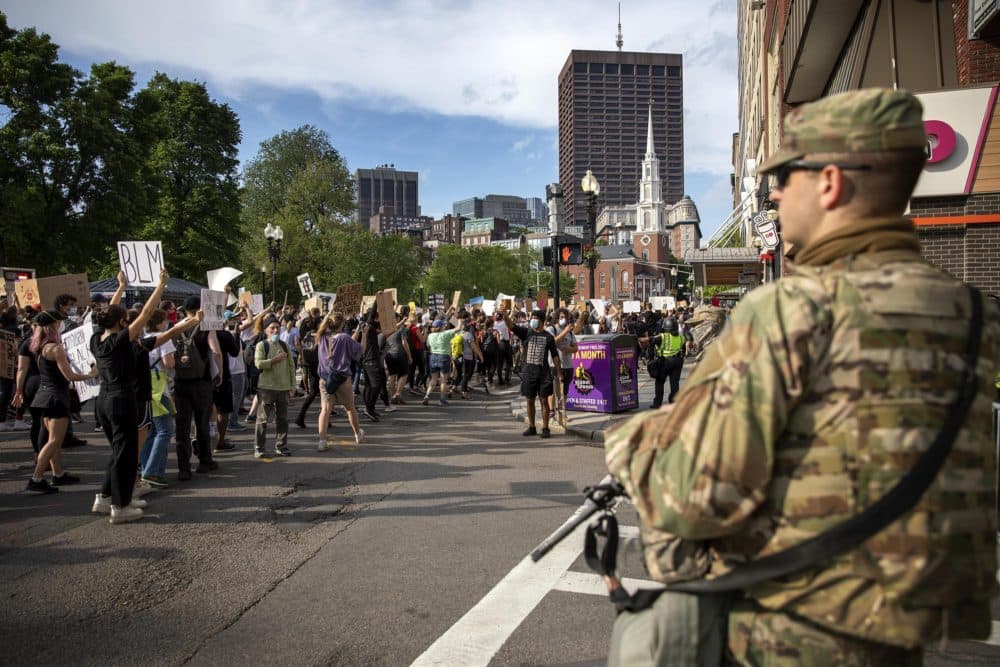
pixel 310 349
pixel 250 350
pixel 189 362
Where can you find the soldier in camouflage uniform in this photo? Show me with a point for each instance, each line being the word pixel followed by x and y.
pixel 821 392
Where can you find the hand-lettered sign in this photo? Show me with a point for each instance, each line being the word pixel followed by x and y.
pixel 141 261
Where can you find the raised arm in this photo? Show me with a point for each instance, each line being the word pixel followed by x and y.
pixel 138 325
pixel 116 298
pixel 183 326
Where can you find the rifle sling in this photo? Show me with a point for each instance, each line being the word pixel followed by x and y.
pixel 852 532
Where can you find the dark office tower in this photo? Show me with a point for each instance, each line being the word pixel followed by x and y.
pixel 384 186
pixel 604 99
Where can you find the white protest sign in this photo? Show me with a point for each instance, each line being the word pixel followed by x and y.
pixel 489 307
pixel 219 278
pixel 213 304
pixel 600 305
pixel 631 306
pixel 257 303
pixel 77 344
pixel 141 261
pixel 662 303
pixel 305 284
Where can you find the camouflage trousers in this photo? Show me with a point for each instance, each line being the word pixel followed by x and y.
pixel 689 630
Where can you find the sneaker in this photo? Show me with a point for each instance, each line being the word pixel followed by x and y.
pixel 224 446
pixel 20 425
pixel 322 446
pixel 546 433
pixel 530 431
pixel 142 488
pixel 155 481
pixel 465 396
pixel 65 479
pixel 389 408
pixel 5 426
pixel 183 475
pixel 125 514
pixel 300 422
pixel 284 451
pixel 207 466
pixel 359 437
pixel 426 401
pixel 371 415
pixel 237 426
pixel 40 488
pixel 444 401
pixel 102 504
pixel 251 419
pixel 258 453
pixel 397 401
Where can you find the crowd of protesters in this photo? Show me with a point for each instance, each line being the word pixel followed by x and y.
pixel 164 381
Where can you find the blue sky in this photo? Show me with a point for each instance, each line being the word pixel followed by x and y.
pixel 463 92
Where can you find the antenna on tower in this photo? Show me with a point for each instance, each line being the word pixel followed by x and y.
pixel 619 41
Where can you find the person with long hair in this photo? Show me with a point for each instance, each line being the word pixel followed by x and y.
pixel 52 400
pixel 118 408
pixel 336 351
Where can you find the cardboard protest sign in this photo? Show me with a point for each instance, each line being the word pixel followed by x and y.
pixel 42 292
pixel 77 344
pixel 246 299
pixel 305 284
pixel 507 305
pixel 456 299
pixel 528 305
pixel 631 306
pixel 213 304
pixel 348 301
pixel 314 302
pixel 386 310
pixel 367 301
pixel 394 293
pixel 543 299
pixel 141 261
pixel 8 355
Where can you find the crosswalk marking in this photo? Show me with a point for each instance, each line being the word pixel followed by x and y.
pixel 592 584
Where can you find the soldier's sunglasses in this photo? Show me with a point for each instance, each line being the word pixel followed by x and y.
pixel 784 172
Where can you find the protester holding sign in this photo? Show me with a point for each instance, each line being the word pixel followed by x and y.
pixel 274 386
pixel 337 350
pixel 52 401
pixel 119 409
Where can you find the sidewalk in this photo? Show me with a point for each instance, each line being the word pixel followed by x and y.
pixel 590 426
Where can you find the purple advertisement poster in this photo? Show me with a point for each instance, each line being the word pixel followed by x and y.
pixel 592 389
pixel 626 379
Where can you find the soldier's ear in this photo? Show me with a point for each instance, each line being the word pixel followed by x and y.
pixel 833 188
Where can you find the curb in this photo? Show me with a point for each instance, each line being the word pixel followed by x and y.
pixel 592 437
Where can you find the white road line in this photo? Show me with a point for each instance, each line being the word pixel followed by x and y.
pixel 592 584
pixel 478 635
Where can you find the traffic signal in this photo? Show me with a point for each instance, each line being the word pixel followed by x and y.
pixel 547 256
pixel 571 253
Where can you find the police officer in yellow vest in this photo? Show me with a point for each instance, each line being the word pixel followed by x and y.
pixel 668 355
pixel 825 388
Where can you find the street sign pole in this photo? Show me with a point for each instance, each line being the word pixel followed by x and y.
pixel 554 195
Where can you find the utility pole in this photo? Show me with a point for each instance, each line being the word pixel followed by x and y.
pixel 554 195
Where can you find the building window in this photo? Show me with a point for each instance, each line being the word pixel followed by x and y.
pixel 582 281
pixel 624 280
pixel 602 280
pixel 580 67
pixel 645 255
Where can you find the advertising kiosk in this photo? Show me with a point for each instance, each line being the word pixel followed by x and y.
pixel 604 374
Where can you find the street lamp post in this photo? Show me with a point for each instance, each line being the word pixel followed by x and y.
pixel 371 283
pixel 263 280
pixel 592 189
pixel 274 236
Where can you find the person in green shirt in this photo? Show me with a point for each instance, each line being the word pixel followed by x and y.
pixel 274 387
pixel 439 343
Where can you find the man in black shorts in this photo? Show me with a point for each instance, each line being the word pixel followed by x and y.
pixel 536 375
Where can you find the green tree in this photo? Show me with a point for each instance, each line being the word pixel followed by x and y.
pixel 190 172
pixel 477 271
pixel 70 167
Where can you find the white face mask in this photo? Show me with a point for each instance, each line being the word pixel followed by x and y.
pixel 562 322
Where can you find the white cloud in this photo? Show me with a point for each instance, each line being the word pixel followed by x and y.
pixel 498 60
pixel 521 144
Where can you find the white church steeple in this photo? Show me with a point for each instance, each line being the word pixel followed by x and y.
pixel 650 207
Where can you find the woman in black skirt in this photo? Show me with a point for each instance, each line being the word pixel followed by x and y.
pixel 118 408
pixel 52 402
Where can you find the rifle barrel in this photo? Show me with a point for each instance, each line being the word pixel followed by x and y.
pixel 582 513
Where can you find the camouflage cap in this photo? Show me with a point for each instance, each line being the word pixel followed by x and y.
pixel 869 120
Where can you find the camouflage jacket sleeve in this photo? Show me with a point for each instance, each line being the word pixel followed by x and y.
pixel 701 468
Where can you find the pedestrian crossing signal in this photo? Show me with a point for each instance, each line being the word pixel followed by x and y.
pixel 570 253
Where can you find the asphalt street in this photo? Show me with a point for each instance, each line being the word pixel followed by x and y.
pixel 408 550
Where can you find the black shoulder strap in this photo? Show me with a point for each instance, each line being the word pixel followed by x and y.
pixel 853 532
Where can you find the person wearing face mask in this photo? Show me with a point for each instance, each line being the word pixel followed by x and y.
pixel 536 376
pixel 274 387
pixel 565 340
